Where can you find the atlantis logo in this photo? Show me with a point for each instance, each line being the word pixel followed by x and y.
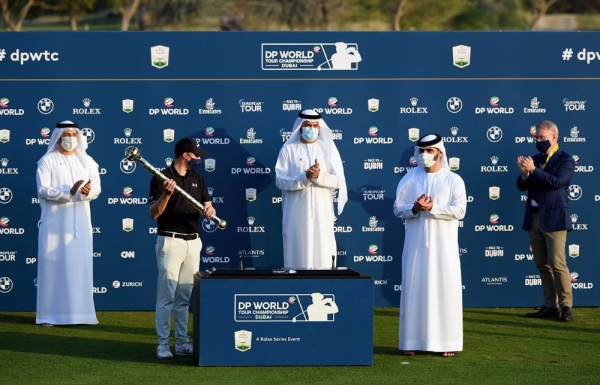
pixel 494 281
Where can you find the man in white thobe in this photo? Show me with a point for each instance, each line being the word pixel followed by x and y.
pixel 431 199
pixel 308 170
pixel 67 180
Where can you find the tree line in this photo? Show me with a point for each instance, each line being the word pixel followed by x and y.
pixel 329 15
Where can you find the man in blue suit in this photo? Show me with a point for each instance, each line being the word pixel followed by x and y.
pixel 546 177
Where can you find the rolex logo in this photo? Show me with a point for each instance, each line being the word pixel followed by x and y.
pixel 86 102
pixel 574 218
pixel 168 161
pixel 413 101
pixel 251 221
pixel 454 131
pixel 211 190
pixel 127 132
pixel 494 160
pixel 4 162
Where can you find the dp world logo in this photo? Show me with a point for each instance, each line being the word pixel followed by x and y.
pixel 127 166
pixel 6 284
pixel 494 134
pixel 494 219
pixel 454 105
pixel 373 131
pixel 575 192
pixel 373 249
pixel 45 106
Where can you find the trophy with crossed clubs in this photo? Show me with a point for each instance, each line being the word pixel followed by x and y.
pixel 133 154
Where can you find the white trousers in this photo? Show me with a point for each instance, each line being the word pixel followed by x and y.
pixel 177 260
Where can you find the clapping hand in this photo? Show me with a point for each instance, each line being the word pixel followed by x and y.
pixel 313 171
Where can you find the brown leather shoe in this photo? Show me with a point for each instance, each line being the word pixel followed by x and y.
pixel 544 312
pixel 566 314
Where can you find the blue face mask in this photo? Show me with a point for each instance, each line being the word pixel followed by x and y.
pixel 309 133
pixel 194 163
pixel 543 146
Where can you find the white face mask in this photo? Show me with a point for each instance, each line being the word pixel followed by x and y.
pixel 69 143
pixel 427 160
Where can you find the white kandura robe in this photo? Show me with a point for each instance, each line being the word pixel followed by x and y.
pixel 431 298
pixel 308 214
pixel 65 249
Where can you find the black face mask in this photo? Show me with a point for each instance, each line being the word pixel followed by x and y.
pixel 543 146
pixel 194 163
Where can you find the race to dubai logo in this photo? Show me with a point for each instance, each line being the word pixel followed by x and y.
pixel 373 104
pixel 454 163
pixel 461 56
pixel 310 56
pixel 127 105
pixel 4 135
pixel 159 56
pixel 494 192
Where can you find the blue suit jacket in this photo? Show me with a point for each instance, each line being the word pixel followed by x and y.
pixel 550 187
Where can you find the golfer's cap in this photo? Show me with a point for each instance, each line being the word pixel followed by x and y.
pixel 189 145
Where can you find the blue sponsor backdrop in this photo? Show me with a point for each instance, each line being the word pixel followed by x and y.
pixel 239 93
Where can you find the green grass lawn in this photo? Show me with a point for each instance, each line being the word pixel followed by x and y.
pixel 501 347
